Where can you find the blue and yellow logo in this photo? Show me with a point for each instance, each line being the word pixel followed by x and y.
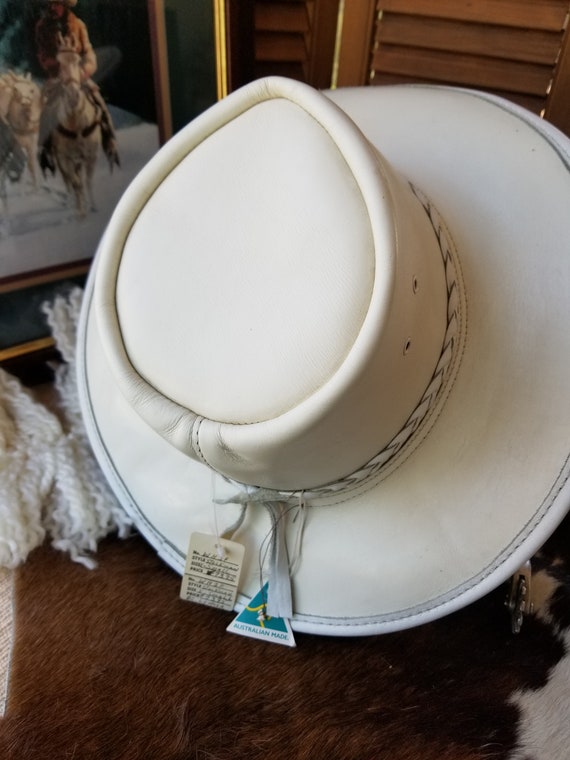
pixel 254 621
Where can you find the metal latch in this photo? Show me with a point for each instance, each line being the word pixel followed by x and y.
pixel 518 601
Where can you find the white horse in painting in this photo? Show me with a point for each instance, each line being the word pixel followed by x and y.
pixel 20 109
pixel 76 138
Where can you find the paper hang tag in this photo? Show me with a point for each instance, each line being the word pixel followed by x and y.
pixel 212 571
pixel 254 622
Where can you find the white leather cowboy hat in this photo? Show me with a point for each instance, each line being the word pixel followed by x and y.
pixel 340 323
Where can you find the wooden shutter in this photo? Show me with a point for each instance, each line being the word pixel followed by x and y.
pixel 509 47
pixel 296 38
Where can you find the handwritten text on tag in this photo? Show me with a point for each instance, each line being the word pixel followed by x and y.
pixel 212 571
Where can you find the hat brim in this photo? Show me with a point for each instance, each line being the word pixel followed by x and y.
pixel 489 482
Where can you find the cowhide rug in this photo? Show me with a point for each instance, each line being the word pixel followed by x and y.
pixel 109 663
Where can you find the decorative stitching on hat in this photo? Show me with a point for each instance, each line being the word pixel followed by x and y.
pixel 459 591
pixel 437 382
pixel 195 440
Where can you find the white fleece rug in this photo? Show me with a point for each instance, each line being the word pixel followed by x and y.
pixel 50 484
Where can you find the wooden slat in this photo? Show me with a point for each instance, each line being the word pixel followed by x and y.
pixel 355 43
pixel 288 69
pixel 533 14
pixel 281 17
pixel 558 103
pixel 486 73
pixel 240 43
pixel 535 46
pixel 531 103
pixel 280 47
pixel 324 20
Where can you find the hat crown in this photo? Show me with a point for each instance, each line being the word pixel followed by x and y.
pixel 259 286
pixel 280 297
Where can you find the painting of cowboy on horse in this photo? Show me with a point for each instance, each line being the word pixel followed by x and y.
pixel 61 126
pixel 75 120
pixel 67 152
pixel 74 109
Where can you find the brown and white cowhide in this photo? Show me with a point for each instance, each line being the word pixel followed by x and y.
pixel 111 664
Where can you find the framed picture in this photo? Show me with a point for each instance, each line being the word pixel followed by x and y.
pixel 78 119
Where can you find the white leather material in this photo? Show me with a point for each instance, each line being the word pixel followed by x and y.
pixel 256 262
pixel 277 279
pixel 484 480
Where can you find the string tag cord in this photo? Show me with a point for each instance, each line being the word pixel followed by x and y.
pixel 281 566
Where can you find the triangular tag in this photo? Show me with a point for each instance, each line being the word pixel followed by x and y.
pixel 253 621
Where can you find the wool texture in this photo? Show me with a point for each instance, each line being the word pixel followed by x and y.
pixel 50 483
